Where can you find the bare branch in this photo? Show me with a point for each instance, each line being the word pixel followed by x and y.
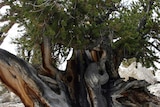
pixel 46 57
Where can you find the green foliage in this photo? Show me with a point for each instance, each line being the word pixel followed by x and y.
pixel 80 23
pixel 134 40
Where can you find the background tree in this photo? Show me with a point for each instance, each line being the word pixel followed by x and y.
pixel 101 33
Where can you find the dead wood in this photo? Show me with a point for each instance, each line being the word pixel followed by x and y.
pixel 132 93
pixel 22 79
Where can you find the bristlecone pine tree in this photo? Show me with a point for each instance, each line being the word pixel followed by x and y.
pixel 100 33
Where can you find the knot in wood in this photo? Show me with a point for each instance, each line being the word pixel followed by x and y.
pixel 94 76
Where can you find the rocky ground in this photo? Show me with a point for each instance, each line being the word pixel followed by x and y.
pixel 9 99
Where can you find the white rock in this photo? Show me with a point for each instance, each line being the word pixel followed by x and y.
pixel 157 75
pixel 154 89
pixel 137 71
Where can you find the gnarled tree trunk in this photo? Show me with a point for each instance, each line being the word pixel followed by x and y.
pixel 90 80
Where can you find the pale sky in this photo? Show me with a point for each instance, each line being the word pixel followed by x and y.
pixel 7 43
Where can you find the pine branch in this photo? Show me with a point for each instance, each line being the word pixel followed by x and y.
pixel 147 9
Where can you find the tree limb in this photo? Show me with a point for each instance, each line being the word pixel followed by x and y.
pixel 46 57
pixel 22 79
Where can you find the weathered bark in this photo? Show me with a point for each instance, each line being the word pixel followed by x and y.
pixel 23 80
pixel 132 93
pixel 86 83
